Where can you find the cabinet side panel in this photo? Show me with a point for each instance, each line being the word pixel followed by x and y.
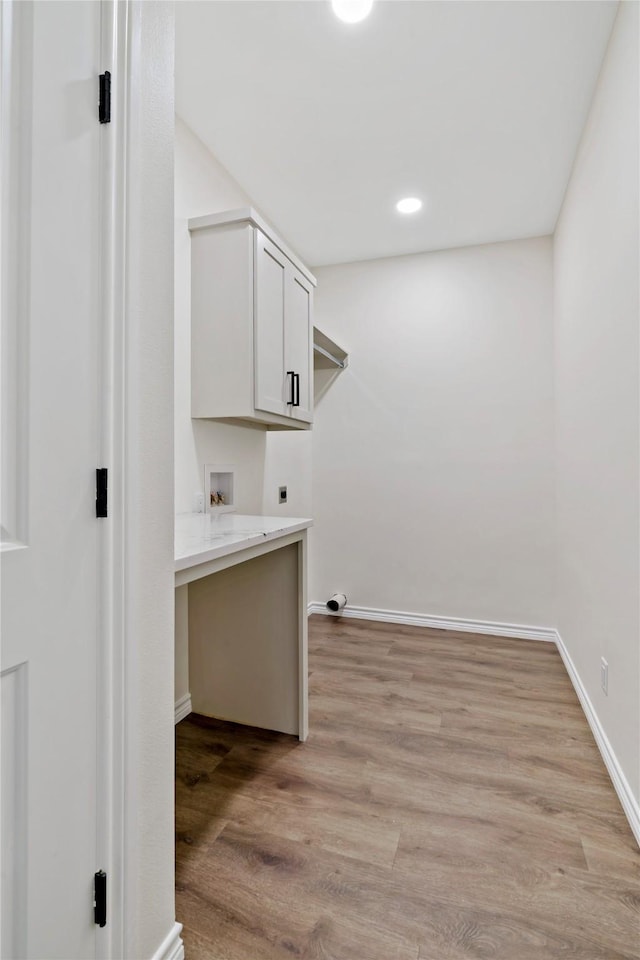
pixel 244 643
pixel 222 322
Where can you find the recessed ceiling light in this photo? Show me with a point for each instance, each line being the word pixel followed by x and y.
pixel 352 11
pixel 409 205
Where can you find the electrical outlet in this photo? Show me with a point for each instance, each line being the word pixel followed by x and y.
pixel 198 503
pixel 282 494
pixel 604 676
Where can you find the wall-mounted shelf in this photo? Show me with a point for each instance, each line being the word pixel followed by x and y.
pixel 327 355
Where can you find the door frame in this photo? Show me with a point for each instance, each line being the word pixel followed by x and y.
pixel 129 51
pixel 110 700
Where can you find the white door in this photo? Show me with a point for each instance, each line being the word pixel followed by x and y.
pixel 298 343
pixel 50 440
pixel 271 382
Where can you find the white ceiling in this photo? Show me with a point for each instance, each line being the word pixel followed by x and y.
pixel 477 107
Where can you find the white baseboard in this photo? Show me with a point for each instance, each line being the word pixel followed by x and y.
pixel 172 947
pixel 516 630
pixel 629 803
pixel 183 707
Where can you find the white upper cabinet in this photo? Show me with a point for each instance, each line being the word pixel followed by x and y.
pixel 251 324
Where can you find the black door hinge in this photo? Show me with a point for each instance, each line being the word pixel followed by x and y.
pixel 101 492
pixel 104 103
pixel 100 898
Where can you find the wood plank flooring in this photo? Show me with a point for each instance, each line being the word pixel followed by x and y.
pixel 449 804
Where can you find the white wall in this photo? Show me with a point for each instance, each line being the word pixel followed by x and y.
pixel 597 381
pixel 433 452
pixel 203 186
pixel 264 460
pixel 288 463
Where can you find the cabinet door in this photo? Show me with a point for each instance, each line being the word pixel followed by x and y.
pixel 298 342
pixel 270 270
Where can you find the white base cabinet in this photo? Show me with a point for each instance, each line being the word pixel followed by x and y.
pixel 251 324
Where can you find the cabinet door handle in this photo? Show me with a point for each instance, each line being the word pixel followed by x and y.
pixel 296 378
pixel 292 394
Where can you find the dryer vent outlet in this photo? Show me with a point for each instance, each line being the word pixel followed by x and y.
pixel 337 602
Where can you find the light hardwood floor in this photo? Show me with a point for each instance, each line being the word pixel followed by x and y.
pixel 449 804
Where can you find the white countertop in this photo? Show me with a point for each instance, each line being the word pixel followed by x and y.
pixel 200 537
